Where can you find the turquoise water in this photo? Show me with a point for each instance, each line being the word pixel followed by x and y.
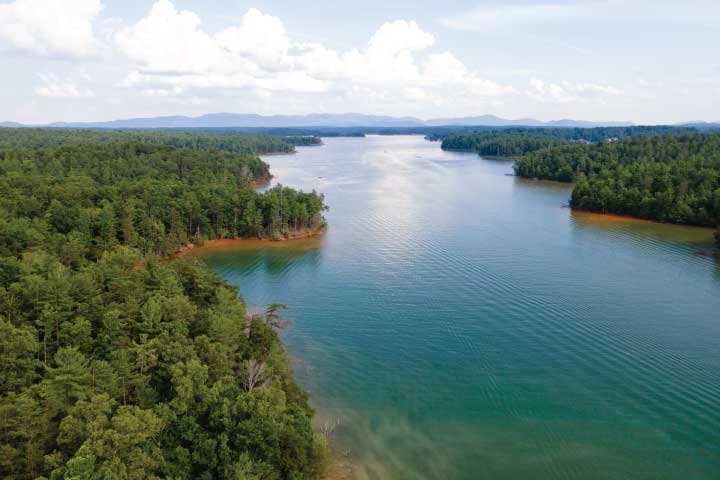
pixel 459 323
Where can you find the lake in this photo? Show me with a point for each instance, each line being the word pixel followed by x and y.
pixel 456 322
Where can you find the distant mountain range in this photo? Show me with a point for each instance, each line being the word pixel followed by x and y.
pixel 493 121
pixel 229 120
pixel 701 125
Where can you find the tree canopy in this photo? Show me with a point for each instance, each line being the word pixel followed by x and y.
pixel 500 143
pixel 517 141
pixel 150 197
pixel 673 179
pixel 228 141
pixel 118 363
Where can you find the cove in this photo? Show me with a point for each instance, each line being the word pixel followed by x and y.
pixel 456 322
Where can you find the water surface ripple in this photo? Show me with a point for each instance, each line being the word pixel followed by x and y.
pixel 460 323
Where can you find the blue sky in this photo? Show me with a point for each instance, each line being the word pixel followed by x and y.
pixel 636 60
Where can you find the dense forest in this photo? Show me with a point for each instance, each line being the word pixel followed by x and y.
pixel 674 179
pixel 499 143
pixel 515 141
pixel 303 140
pixel 227 141
pixel 117 363
pixel 150 197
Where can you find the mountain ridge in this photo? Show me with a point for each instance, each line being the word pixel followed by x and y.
pixel 252 120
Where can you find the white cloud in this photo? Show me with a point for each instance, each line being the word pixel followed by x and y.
pixel 261 37
pixel 566 92
pixel 172 50
pixel 395 37
pixel 55 87
pixel 503 14
pixel 52 28
pixel 168 40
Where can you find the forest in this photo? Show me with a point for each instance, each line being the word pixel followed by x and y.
pixel 500 143
pixel 513 142
pixel 227 141
pixel 119 362
pixel 673 179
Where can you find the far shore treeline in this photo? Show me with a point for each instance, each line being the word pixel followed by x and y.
pixel 196 140
pixel 513 142
pixel 666 174
pixel 117 362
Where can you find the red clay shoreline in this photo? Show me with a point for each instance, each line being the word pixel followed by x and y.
pixel 616 217
pixel 259 182
pixel 610 217
pixel 224 242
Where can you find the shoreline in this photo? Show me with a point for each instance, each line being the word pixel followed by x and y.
pixel 339 468
pixel 273 154
pixel 545 181
pixel 617 217
pixel 607 216
pixel 482 155
pixel 249 241
pixel 701 237
pixel 262 181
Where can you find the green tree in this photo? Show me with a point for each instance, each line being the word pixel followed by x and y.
pixel 18 357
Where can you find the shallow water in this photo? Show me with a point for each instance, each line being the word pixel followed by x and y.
pixel 459 323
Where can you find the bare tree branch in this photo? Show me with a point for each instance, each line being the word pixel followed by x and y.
pixel 253 374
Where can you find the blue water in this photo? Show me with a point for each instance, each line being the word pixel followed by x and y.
pixel 456 322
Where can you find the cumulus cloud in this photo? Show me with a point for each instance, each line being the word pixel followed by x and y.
pixel 173 51
pixel 168 40
pixel 53 86
pixel 52 28
pixel 395 37
pixel 260 37
pixel 566 92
